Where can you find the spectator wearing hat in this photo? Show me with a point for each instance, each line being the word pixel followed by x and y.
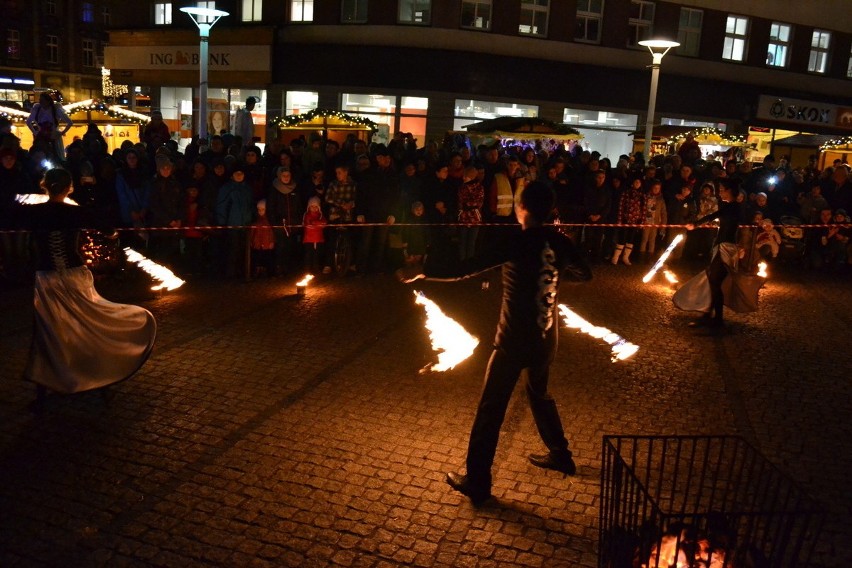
pixel 378 196
pixel 244 123
pixel 156 133
pixel 313 240
pixel 233 210
pixel 166 209
pixel 284 208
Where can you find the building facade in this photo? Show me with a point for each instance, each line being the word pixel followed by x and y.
pixel 430 66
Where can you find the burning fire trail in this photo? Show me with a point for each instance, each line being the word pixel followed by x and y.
pixel 663 257
pixel 761 270
pixel 621 348
pixel 670 276
pixel 449 339
pixel 163 275
pixel 36 198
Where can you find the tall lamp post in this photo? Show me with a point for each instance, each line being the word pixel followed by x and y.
pixel 658 48
pixel 204 18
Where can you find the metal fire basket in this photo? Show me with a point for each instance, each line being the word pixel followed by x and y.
pixel 700 502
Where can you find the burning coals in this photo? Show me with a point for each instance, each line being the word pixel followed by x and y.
pixel 450 340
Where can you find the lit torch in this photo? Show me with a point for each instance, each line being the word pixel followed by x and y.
pixel 302 285
pixel 161 274
pixel 450 340
pixel 621 348
pixel 663 257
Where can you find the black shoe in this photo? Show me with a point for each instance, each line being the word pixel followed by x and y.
pixel 564 465
pixel 703 321
pixel 476 493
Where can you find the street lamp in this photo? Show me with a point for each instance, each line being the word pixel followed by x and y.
pixel 204 18
pixel 658 48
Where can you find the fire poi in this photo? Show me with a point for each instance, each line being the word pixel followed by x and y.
pixel 166 278
pixel 450 340
pixel 621 348
pixel 663 258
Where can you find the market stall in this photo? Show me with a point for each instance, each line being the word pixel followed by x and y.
pixel 327 123
pixel 838 148
pixel 116 123
pixel 667 138
pixel 509 129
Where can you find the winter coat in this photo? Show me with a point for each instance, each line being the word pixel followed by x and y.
pixel 314 223
pixel 261 235
pixel 283 204
pixel 234 205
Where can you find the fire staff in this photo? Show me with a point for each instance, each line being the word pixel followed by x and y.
pixel 533 264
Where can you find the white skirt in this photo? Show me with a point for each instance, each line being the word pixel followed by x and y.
pixel 739 289
pixel 82 341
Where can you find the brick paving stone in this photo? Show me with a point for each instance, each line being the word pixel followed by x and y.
pixel 245 440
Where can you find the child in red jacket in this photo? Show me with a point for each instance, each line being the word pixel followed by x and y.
pixel 313 239
pixel 262 243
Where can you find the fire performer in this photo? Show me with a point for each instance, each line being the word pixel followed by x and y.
pixel 723 259
pixel 533 263
pixel 80 340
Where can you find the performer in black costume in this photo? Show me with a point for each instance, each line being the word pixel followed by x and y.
pixel 533 264
pixel 80 340
pixel 725 253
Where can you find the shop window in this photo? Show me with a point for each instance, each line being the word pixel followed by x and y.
pixel 163 13
pixel 88 12
pixel 818 61
pixel 415 12
pixel 52 49
pixel 734 48
pixel 391 113
pixel 689 31
pixel 88 53
pixel 534 15
pixel 476 14
pixel 13 44
pixel 779 45
pixel 301 10
pixel 353 12
pixel 468 111
pixel 300 102
pixel 50 7
pixel 589 21
pixel 252 10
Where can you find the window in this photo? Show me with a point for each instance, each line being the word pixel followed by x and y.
pixel 88 12
pixel 589 19
pixel 849 67
pixel 415 12
pixel 641 22
pixel 779 45
pixel 468 111
pixel 52 49
pixel 163 13
pixel 353 12
pixel 301 10
pixel 606 132
pixel 534 17
pixel 391 113
pixel 300 102
pixel 105 16
pixel 206 19
pixel 252 10
pixel 88 53
pixel 818 61
pixel 476 14
pixel 50 7
pixel 734 48
pixel 13 44
pixel 689 31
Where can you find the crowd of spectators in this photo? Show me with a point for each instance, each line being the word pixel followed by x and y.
pixel 203 210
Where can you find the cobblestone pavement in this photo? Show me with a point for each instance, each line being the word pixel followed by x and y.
pixel 273 430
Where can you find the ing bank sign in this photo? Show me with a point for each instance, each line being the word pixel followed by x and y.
pixel 804 113
pixel 184 58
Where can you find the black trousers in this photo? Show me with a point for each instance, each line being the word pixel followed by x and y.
pixel 501 376
pixel 716 274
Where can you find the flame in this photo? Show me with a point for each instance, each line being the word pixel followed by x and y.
pixel 663 257
pixel 761 269
pixel 166 277
pixel 304 281
pixel 621 348
pixel 449 339
pixel 36 198
pixel 670 276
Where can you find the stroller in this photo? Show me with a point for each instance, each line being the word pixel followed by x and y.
pixel 792 239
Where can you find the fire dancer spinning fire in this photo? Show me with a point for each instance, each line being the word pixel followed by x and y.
pixel 80 340
pixel 533 265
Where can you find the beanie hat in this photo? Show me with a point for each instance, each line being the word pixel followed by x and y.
pixel 314 201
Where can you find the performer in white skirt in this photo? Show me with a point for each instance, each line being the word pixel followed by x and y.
pixel 80 340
